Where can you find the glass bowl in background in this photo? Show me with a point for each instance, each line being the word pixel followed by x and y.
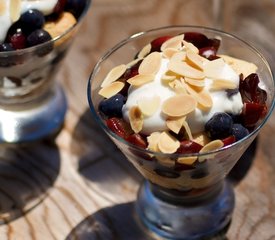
pixel 32 103
pixel 174 201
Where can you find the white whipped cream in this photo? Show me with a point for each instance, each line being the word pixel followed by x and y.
pixel 196 119
pixel 45 6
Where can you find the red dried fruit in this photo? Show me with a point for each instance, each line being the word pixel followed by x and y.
pixel 252 113
pixel 137 140
pixel 188 146
pixel 59 7
pixel 208 52
pixel 156 43
pixel 198 39
pixel 250 91
pixel 229 140
pixel 131 72
pixel 117 126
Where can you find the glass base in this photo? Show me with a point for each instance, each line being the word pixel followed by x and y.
pixel 171 216
pixel 34 120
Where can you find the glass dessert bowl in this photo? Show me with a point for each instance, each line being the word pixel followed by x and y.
pixel 192 143
pixel 33 42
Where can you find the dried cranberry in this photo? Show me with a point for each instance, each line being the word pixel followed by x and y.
pixel 250 91
pixel 137 140
pixel 132 71
pixel 18 40
pixel 188 146
pixel 59 7
pixel 252 113
pixel 198 39
pixel 156 43
pixel 229 140
pixel 208 52
pixel 117 126
pixel 214 43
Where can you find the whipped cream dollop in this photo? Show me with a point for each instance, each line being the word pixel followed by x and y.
pixel 222 102
pixel 45 6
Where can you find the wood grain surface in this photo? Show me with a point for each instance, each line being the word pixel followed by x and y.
pixel 78 185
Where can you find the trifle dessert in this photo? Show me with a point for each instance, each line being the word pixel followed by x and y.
pixel 179 96
pixel 183 104
pixel 34 39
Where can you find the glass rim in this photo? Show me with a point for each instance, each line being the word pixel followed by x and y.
pixel 175 155
pixel 52 41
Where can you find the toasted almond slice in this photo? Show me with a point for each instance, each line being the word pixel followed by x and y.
pixel 150 64
pixel 187 130
pixel 190 46
pixel 114 75
pixel 202 97
pixel 175 124
pixel 144 51
pixel 187 160
pixel 178 57
pixel 183 69
pixel 195 82
pixel 194 59
pixel 132 63
pixel 222 85
pixel 139 79
pixel 201 138
pixel 153 140
pixel 15 7
pixel 111 89
pixel 212 69
pixel 3 7
pixel 212 146
pixel 167 143
pixel 136 119
pixel 179 105
pixel 174 42
pixel 178 87
pixel 240 66
pixel 149 106
pixel 169 52
pixel 167 78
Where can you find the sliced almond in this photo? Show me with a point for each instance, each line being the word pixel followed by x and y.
pixel 175 124
pixel 167 78
pixel 194 59
pixel 111 89
pixel 212 69
pixel 114 75
pixel 201 138
pixel 3 7
pixel 15 7
pixel 240 66
pixel 187 160
pixel 149 106
pixel 178 87
pixel 209 147
pixel 187 130
pixel 174 42
pixel 195 82
pixel 202 97
pixel 190 46
pixel 144 51
pixel 169 52
pixel 178 57
pixel 132 63
pixel 139 79
pixel 183 69
pixel 222 85
pixel 167 143
pixel 153 141
pixel 136 119
pixel 150 64
pixel 179 105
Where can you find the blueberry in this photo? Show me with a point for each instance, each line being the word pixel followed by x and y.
pixel 32 19
pixel 6 47
pixel 112 107
pixel 239 131
pixel 37 37
pixel 219 126
pixel 76 7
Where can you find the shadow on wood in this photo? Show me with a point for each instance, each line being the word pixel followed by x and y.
pixel 27 172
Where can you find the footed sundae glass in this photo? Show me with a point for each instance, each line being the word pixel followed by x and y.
pixel 32 103
pixel 174 201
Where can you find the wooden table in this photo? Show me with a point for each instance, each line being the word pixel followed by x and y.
pixel 78 185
